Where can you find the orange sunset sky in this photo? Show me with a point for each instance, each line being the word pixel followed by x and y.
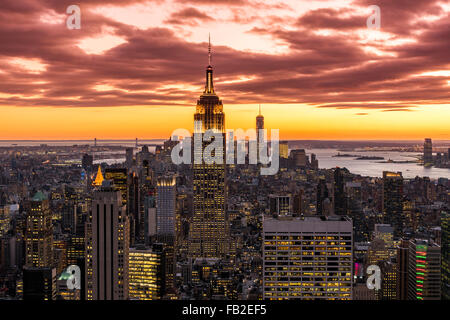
pixel 136 68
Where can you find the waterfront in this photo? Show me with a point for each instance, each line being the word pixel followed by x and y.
pixel 374 168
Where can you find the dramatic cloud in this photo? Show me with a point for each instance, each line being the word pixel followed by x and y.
pixel 321 54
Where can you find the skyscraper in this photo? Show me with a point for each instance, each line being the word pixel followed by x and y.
pixel 424 270
pixel 208 234
pixel 165 206
pixel 98 178
pixel 259 125
pixel 165 224
pixel 280 204
pixel 445 249
pixel 402 270
pixel 107 245
pixel 427 152
pixel 307 258
pixel 146 273
pixel 393 201
pixel 284 149
pixel 322 194
pixel 339 198
pixel 120 180
pixel 39 233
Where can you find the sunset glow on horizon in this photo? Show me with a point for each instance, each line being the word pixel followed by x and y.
pixel 137 67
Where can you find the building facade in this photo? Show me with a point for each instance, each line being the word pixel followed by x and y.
pixel 107 246
pixel 307 258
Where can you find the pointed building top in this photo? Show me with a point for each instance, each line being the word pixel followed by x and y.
pixel 260 116
pixel 99 178
pixel 209 49
pixel 209 87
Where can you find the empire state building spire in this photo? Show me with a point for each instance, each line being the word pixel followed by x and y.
pixel 209 86
pixel 209 49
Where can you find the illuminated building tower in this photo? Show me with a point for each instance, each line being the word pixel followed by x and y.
pixel 5 219
pixel 424 270
pixel 284 149
pixel 259 126
pixel 98 178
pixel 393 201
pixel 119 178
pixel 60 255
pixel 307 258
pixel 389 281
pixel 165 223
pixel 209 229
pixel 76 256
pixel 428 152
pixel 339 198
pixel 377 252
pixel 146 273
pixel 107 245
pixel 165 207
pixel 445 250
pixel 386 233
pixel 402 270
pixel 39 233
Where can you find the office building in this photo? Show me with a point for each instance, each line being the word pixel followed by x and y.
pixel 120 180
pixel 146 272
pixel 402 270
pixel 209 229
pixel 39 233
pixel 107 245
pixel 165 224
pixel 424 270
pixel 280 204
pixel 284 149
pixel 428 152
pixel 307 258
pixel 259 126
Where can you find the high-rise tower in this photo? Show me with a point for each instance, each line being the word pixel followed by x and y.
pixel 208 235
pixel 259 125
pixel 39 233
pixel 393 201
pixel 427 152
pixel 107 244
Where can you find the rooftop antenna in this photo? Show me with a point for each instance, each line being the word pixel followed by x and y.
pixel 209 48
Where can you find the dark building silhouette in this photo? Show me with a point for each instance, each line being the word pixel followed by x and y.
pixel 427 152
pixel 322 194
pixel 393 201
pixel 39 283
pixel 340 199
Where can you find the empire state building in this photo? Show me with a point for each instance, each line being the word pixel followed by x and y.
pixel 209 229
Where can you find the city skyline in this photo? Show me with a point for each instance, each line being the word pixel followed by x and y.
pixel 319 72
